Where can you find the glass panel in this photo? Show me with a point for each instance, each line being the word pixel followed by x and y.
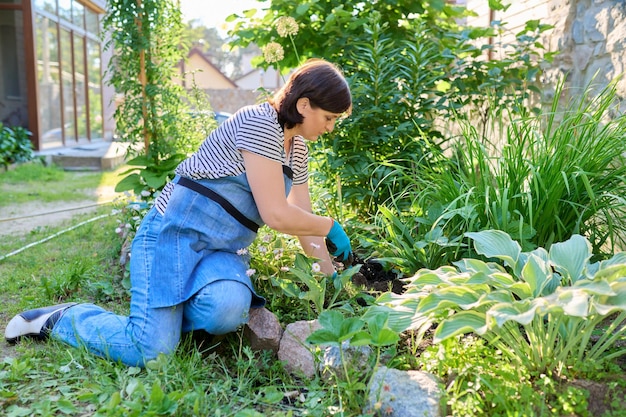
pixel 65 9
pixel 95 89
pixel 80 87
pixel 78 14
pixel 49 99
pixel 49 6
pixel 92 21
pixel 67 86
pixel 13 104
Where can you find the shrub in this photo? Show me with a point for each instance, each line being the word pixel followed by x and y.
pixel 15 145
pixel 540 308
pixel 549 177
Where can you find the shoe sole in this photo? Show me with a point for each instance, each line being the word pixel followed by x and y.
pixel 20 326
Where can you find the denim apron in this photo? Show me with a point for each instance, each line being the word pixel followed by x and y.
pixel 198 239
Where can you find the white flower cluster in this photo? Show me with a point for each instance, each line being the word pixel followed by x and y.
pixel 286 26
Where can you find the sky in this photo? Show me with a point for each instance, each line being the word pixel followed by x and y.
pixel 213 13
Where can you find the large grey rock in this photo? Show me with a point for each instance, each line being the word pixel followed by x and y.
pixel 294 350
pixel 396 393
pixel 263 330
pixel 356 358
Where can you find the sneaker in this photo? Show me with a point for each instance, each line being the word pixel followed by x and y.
pixel 37 323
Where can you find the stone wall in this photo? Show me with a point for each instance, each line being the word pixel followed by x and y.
pixel 590 36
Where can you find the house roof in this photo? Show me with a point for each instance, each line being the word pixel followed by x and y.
pixel 197 53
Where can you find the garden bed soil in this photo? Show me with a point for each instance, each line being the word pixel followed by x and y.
pixel 373 277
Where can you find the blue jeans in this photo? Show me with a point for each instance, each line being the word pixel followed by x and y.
pixel 185 275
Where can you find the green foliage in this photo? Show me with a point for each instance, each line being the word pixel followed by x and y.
pixel 550 176
pixel 480 380
pixel 540 308
pixel 15 145
pixel 329 28
pixel 344 332
pixel 156 114
pixel 322 291
pixel 152 175
pixel 404 77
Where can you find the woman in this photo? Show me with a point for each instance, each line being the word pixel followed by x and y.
pixel 186 273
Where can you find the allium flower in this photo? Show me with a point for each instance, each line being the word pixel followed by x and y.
pixel 315 245
pixel 262 249
pixel 284 268
pixel 273 52
pixel 250 272
pixel 316 267
pixel 242 251
pixel 286 26
pixel 145 193
pixel 267 238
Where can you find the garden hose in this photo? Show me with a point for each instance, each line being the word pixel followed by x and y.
pixel 30 245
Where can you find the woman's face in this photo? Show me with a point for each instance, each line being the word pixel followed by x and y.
pixel 316 121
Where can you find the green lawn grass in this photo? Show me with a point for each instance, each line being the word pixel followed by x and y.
pixel 82 264
pixel 37 182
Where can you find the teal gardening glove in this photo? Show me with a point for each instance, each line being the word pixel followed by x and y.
pixel 338 244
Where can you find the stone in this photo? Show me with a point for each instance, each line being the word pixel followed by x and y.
pixel 396 393
pixel 263 330
pixel 356 357
pixel 295 352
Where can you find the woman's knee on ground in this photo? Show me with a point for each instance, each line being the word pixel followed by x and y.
pixel 218 308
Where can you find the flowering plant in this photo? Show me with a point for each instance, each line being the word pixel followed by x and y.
pixel 286 27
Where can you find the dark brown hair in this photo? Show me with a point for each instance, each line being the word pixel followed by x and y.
pixel 319 81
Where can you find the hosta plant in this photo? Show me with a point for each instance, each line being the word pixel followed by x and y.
pixel 540 307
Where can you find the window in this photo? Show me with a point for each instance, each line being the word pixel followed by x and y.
pixel 69 72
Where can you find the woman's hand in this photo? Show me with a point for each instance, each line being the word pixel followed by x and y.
pixel 338 244
pixel 293 217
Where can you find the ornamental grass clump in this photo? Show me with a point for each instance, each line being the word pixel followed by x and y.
pixel 540 308
pixel 545 178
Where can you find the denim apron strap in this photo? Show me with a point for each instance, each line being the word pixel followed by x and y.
pixel 232 210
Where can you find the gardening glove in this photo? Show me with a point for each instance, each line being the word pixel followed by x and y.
pixel 338 244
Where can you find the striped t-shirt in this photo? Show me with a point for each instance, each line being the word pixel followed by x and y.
pixel 252 128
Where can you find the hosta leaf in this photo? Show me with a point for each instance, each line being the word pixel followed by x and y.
pixel 426 277
pixel 574 302
pixel 446 298
pixel 474 265
pixel 570 257
pixel 536 273
pixel 434 277
pixel 610 272
pixel 496 244
pixel 596 287
pixel 460 323
pixel 605 305
pixel 501 280
pixel 618 258
pixel 475 279
pixel 522 312
pixel 521 290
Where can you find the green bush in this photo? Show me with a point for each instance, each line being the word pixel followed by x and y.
pixel 540 309
pixel 548 177
pixel 15 145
